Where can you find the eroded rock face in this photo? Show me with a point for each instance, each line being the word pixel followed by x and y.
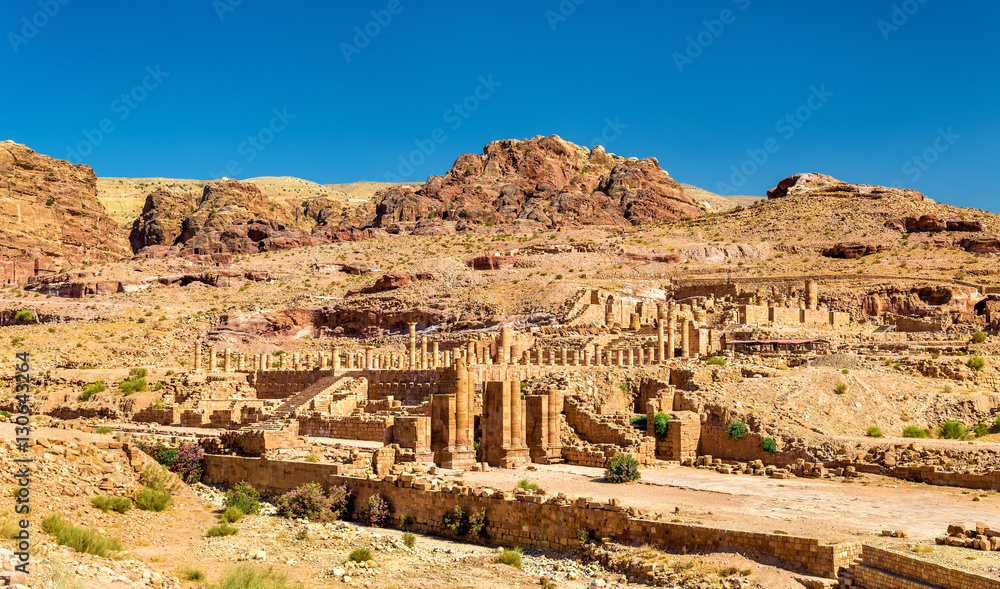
pixel 162 217
pixel 50 216
pixel 850 251
pixel 492 262
pixel 824 185
pixel 228 202
pixel 934 223
pixel 392 281
pixel 989 244
pixel 543 179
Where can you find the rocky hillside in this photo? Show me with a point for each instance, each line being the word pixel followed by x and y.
pixel 50 216
pixel 546 180
pixel 172 216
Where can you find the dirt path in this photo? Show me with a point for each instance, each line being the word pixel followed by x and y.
pixel 828 508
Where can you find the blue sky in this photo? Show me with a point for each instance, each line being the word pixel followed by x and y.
pixel 730 95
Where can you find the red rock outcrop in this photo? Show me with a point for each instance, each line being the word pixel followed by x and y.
pixel 824 185
pixel 934 223
pixel 392 281
pixel 543 179
pixel 988 244
pixel 50 216
pixel 492 262
pixel 850 251
pixel 162 217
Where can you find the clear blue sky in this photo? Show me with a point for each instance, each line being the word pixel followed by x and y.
pixel 864 98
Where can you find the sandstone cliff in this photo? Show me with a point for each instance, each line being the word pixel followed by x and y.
pixel 543 179
pixel 824 185
pixel 50 216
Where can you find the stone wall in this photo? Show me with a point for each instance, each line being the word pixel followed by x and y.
pixel 374 428
pixel 881 569
pixel 529 521
pixel 612 430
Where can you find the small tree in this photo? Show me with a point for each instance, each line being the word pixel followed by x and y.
pixel 623 468
pixel 737 430
pixel 660 421
pixel 976 363
pixel 952 430
pixel 376 511
pixel 24 316
pixel 769 445
pixel 244 497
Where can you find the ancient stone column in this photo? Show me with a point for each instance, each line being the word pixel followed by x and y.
pixel 197 355
pixel 335 360
pixel 424 360
pixel 812 295
pixel 462 408
pixel 686 331
pixel 515 416
pixel 227 361
pixel 671 342
pixel 212 360
pixel 470 357
pixel 506 341
pixel 413 346
pixel 660 318
pixel 633 322
pixel 562 356
pixel 554 414
pixel 242 364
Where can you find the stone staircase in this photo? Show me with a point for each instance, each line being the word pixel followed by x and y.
pixel 280 416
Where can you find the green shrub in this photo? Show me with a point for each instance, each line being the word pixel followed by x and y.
pixel 79 538
pixel 103 430
pixel 92 389
pixel 981 429
pixel 193 575
pixel 511 557
pixel 660 421
pixel 232 514
pixel 311 458
pixel 149 499
pixel 132 385
pixel 310 502
pixel 361 555
pixel 979 337
pixel 769 445
pixel 912 431
pixel 221 530
pixel 623 468
pixel 841 388
pixel 952 430
pixel 527 485
pixel 9 529
pixel 716 361
pixel 638 421
pixel 409 540
pixel 249 577
pixel 244 497
pixel 24 316
pixel 737 430
pixel 874 432
pixel 583 535
pixel 976 363
pixel 109 503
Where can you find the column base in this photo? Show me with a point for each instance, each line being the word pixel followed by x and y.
pixel 457 458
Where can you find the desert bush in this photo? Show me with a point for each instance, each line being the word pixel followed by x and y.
pixel 981 429
pixel 660 421
pixel 193 575
pixel 148 499
pixel 638 421
pixel 361 555
pixel 9 529
pixel 841 388
pixel 249 577
pixel 527 485
pixel 622 468
pixel 979 337
pixel 976 363
pixel 232 514
pixel 79 538
pixel 409 540
pixel 109 503
pixel 311 458
pixel 222 529
pixel 912 431
pixel 24 316
pixel 156 495
pixel 769 445
pixel 103 430
pixel 952 430
pixel 375 511
pixel 243 497
pixel 511 557
pixel 309 502
pixel 874 432
pixel 716 361
pixel 92 389
pixel 737 430
pixel 133 384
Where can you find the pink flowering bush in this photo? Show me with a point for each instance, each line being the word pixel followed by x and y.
pixel 376 511
pixel 309 502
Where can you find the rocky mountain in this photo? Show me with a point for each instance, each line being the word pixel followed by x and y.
pixel 824 185
pixel 172 216
pixel 50 216
pixel 546 180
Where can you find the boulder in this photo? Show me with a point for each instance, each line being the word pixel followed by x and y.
pixel 850 251
pixel 492 262
pixel 819 185
pixel 982 245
